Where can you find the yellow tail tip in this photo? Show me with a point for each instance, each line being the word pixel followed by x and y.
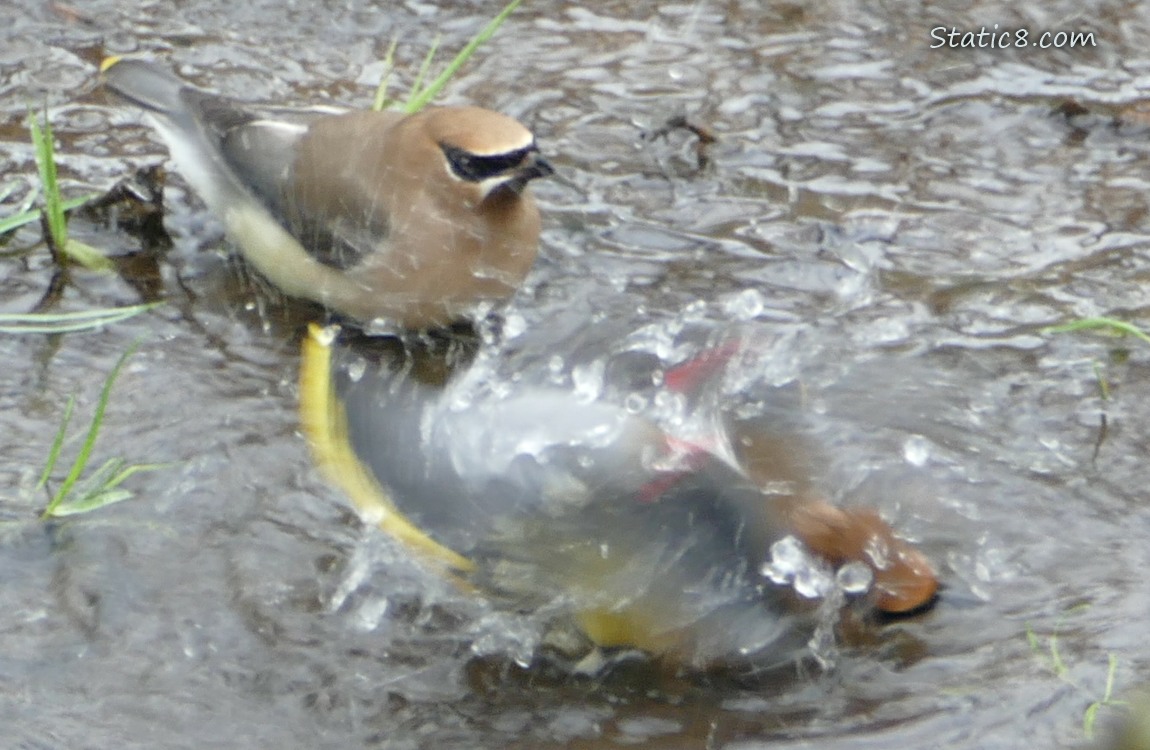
pixel 324 423
pixel 109 61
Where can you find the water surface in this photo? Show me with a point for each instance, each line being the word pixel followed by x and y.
pixel 900 223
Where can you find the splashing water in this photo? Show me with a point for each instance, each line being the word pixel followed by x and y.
pixel 792 564
pixel 502 634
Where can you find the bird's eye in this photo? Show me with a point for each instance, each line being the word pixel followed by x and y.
pixel 475 168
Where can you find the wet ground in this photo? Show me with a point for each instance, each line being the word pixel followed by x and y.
pixel 900 222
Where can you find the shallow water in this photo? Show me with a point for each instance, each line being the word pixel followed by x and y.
pixel 899 223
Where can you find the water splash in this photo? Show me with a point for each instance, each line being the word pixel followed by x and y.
pixel 588 380
pixel 503 634
pixel 745 305
pixel 792 564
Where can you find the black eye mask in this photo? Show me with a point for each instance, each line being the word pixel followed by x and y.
pixel 475 168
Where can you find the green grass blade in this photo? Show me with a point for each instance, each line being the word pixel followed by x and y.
pixel 57 443
pixel 1088 719
pixel 46 164
pixel 1111 671
pixel 1112 324
pixel 94 482
pixel 381 101
pixel 90 502
pixel 90 439
pixel 1056 657
pixel 101 488
pixel 123 474
pixel 85 255
pixel 13 223
pixel 425 66
pixel 1032 639
pixel 84 320
pixel 88 256
pixel 114 473
pixel 420 100
pixel 1103 384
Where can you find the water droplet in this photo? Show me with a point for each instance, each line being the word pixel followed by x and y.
pixel 791 564
pixel 634 403
pixel 670 407
pixel 588 381
pixel 854 578
pixel 326 335
pixel 695 310
pixel 746 305
pixel 461 400
pixel 787 556
pixel 813 582
pixel 514 324
pixel 356 368
pixel 368 616
pixel 916 450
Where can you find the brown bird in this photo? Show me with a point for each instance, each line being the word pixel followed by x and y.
pixel 415 219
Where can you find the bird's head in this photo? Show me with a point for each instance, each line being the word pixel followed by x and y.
pixel 484 153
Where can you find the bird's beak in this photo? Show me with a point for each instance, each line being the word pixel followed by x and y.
pixel 533 167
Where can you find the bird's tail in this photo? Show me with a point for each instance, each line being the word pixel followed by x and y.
pixel 175 109
pixel 144 83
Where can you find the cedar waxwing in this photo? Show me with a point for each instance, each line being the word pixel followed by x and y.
pixel 416 219
pixel 648 540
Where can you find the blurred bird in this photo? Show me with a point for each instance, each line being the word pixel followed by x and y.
pixel 651 541
pixel 415 219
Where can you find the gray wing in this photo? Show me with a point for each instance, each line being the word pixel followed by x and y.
pixel 230 150
pixel 260 146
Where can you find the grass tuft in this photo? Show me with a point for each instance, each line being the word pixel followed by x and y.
pixel 1061 670
pixel 78 493
pixel 382 101
pixel 420 95
pixel 1089 717
pixel 1112 325
pixel 54 207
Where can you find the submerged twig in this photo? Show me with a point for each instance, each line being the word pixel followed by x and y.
pixel 705 137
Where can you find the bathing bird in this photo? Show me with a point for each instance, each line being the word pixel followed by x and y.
pixel 414 219
pixel 646 539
